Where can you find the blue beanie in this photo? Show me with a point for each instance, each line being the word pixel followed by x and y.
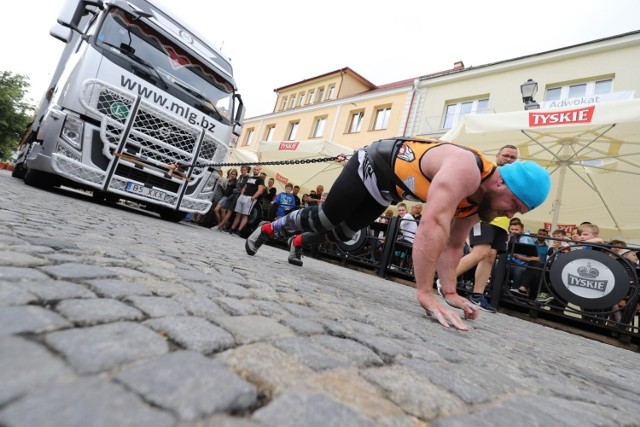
pixel 528 181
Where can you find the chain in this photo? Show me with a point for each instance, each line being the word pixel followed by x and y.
pixel 270 163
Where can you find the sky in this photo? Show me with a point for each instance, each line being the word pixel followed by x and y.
pixel 277 43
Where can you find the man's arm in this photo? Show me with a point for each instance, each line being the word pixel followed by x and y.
pixel 259 192
pixel 455 175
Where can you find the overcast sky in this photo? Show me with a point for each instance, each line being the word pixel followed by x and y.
pixel 273 44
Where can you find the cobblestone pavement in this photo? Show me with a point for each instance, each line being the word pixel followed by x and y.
pixel 111 317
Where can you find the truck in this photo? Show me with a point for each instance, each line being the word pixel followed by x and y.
pixel 140 107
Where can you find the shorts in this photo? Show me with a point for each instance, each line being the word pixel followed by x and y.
pixel 230 203
pixel 222 201
pixel 244 205
pixel 483 233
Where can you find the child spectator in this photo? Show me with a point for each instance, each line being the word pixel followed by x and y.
pixel 284 201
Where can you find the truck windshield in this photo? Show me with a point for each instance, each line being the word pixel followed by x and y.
pixel 129 36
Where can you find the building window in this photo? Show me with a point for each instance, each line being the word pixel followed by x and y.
pixel 331 93
pixel 579 90
pixel 300 99
pixel 309 97
pixel 382 118
pixel 292 101
pixel 456 111
pixel 293 131
pixel 284 103
pixel 249 138
pixel 320 94
pixel 268 135
pixel 318 127
pixel 356 122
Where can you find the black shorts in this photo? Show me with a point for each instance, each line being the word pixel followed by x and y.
pixel 483 233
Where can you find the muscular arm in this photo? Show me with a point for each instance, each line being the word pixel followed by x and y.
pixel 439 239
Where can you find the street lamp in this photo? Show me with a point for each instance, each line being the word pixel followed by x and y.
pixel 529 90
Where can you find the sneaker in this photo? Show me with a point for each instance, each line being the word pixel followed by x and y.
pixel 256 239
pixel 482 302
pixel 295 254
pixel 544 298
pixel 519 291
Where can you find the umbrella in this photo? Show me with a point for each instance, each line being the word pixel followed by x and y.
pixel 306 175
pixel 592 153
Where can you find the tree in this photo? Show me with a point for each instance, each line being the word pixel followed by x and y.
pixel 15 112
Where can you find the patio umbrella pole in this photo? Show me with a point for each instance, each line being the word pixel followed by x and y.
pixel 557 202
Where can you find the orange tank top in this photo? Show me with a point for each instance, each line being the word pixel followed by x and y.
pixel 406 166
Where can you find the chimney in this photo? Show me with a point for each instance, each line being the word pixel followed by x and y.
pixel 458 65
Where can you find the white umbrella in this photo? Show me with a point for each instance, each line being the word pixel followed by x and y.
pixel 306 175
pixel 592 153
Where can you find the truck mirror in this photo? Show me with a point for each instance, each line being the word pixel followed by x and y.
pixel 73 10
pixel 61 33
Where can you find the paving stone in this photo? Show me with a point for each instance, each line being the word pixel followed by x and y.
pixel 99 348
pixel 29 318
pixel 248 329
pixel 200 306
pixel 302 326
pixel 357 353
pixel 474 387
pixel 74 271
pixel 32 249
pixel 232 290
pixel 346 386
pixel 221 420
pixel 386 348
pixel 294 409
pixel 87 312
pixel 165 288
pixel 313 354
pixel 414 394
pixel 157 306
pixel 192 275
pixel 56 290
pixel 19 274
pixel 52 243
pixel 193 333
pixel 15 294
pixel 27 366
pixel 16 259
pixel 203 290
pixel 300 310
pixel 114 288
pixel 236 307
pixel 189 384
pixel 272 370
pixel 88 402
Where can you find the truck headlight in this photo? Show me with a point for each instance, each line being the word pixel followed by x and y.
pixel 211 183
pixel 72 131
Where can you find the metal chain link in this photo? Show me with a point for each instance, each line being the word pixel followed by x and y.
pixel 270 163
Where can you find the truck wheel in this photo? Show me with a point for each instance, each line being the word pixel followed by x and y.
pixel 18 171
pixel 172 215
pixel 40 179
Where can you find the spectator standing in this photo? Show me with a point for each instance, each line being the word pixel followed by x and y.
pixel 220 211
pixel 250 192
pixel 296 191
pixel 230 203
pixel 269 191
pixel 416 212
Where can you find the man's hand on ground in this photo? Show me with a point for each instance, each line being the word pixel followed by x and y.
pixel 444 315
pixel 470 310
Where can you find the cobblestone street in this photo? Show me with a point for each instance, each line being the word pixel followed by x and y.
pixel 112 317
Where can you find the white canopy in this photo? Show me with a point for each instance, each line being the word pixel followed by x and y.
pixel 591 151
pixel 307 175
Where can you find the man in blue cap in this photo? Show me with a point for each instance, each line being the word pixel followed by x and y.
pixel 459 185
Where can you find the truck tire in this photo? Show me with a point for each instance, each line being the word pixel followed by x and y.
pixel 39 179
pixel 18 171
pixel 172 215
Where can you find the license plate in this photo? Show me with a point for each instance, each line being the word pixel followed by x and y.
pixel 148 192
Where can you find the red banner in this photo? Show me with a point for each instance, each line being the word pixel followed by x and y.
pixel 568 117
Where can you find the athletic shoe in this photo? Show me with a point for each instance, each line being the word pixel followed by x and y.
pixel 256 239
pixel 482 302
pixel 544 298
pixel 519 291
pixel 295 254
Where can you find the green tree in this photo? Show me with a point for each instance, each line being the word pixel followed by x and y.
pixel 15 112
